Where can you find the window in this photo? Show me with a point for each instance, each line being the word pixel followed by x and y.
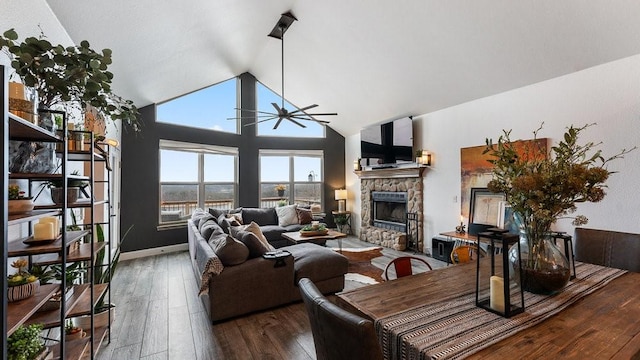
pixel 298 172
pixel 208 108
pixel 287 128
pixel 195 175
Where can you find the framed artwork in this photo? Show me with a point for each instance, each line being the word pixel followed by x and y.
pixel 485 206
pixel 506 220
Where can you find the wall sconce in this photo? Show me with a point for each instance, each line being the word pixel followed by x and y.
pixel 497 289
pixel 356 165
pixel 341 196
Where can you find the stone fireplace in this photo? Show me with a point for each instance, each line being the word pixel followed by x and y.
pixel 387 196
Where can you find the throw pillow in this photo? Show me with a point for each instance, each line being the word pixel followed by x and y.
pixel 231 251
pixel 235 216
pixel 287 215
pixel 255 228
pixel 256 247
pixel 208 228
pixel 217 212
pixel 304 216
pixel 224 223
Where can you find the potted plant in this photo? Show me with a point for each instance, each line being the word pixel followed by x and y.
pixel 74 186
pixel 68 77
pixel 73 332
pixel 18 202
pixel 25 343
pixel 22 284
pixel 280 188
pixel 543 186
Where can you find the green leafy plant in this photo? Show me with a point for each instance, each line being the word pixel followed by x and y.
pixel 25 343
pixel 68 76
pixel 16 194
pixel 321 227
pixel 340 219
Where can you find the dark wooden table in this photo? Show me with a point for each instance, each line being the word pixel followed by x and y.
pixel 297 238
pixel 603 325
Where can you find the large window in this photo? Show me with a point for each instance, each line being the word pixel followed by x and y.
pixel 195 175
pixel 290 177
pixel 286 128
pixel 208 108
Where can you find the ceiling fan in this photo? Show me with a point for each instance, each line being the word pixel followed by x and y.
pixel 281 113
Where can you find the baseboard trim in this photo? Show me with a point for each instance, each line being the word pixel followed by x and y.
pixel 153 251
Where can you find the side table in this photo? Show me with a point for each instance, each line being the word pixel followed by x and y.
pixel 346 216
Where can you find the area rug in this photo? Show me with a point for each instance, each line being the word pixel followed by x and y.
pixel 360 268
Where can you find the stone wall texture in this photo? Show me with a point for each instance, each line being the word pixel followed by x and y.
pixel 385 237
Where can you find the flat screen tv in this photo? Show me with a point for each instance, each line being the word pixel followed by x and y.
pixel 388 143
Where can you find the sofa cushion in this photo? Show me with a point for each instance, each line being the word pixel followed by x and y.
pixel 199 215
pixel 235 216
pixel 217 212
pixel 304 216
pixel 224 223
pixel 287 215
pixel 316 262
pixel 261 216
pixel 272 232
pixel 229 250
pixel 256 247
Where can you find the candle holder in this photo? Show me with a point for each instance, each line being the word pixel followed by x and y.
pixel 497 290
pixel 568 250
pixel 461 229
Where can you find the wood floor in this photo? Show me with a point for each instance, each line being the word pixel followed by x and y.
pixel 159 316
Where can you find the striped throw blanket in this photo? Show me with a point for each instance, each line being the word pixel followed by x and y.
pixel 455 328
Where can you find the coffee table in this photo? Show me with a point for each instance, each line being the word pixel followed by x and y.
pixel 296 238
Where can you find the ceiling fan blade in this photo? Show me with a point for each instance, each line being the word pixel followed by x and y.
pixel 277 108
pixel 256 111
pixel 277 123
pixel 323 114
pixel 297 123
pixel 252 117
pixel 261 121
pixel 304 108
pixel 310 119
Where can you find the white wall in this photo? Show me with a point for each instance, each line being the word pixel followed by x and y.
pixel 608 94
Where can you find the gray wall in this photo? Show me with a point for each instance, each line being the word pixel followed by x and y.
pixel 140 169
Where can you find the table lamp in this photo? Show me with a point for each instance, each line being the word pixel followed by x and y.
pixel 341 196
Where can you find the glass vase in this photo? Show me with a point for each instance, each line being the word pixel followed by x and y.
pixel 545 270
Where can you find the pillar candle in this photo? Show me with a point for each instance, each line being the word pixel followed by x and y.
pixel 54 221
pixel 496 299
pixel 43 231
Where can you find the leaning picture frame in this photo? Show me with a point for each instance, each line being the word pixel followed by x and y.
pixel 506 220
pixel 485 207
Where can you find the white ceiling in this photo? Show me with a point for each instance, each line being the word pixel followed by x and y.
pixel 367 60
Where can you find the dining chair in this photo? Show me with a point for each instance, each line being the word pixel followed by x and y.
pixel 607 248
pixel 337 333
pixel 462 254
pixel 404 266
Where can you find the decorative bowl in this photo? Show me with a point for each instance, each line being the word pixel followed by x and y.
pixel 20 206
pixel 20 292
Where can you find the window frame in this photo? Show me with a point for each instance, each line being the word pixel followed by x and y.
pixel 201 150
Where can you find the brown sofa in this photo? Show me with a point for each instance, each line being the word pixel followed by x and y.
pixel 608 248
pixel 257 283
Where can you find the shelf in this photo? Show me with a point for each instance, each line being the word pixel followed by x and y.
pixel 79 349
pixel 82 203
pixel 83 307
pixel 79 155
pixel 50 319
pixel 19 311
pixel 18 248
pixel 394 172
pixel 80 253
pixel 32 215
pixel 21 129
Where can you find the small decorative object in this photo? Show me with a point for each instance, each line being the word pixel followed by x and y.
pixel 423 157
pixel 280 188
pixel 73 332
pixel 18 202
pixel 311 230
pixel 21 284
pixel 25 343
pixel 282 203
pixel 496 287
pixel 541 188
pixel 461 229
pixel 341 196
pixel 356 165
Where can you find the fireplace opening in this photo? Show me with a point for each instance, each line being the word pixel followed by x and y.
pixel 390 210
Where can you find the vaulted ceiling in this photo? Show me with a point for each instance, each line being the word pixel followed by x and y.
pixel 367 60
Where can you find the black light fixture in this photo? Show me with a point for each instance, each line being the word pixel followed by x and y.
pixel 295 116
pixel 497 288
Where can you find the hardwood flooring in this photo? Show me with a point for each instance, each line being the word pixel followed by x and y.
pixel 159 316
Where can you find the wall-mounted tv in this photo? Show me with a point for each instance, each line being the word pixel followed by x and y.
pixel 387 143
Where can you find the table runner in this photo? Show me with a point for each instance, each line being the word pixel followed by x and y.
pixel 456 328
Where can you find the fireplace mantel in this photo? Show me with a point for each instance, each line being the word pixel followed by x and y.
pixel 392 173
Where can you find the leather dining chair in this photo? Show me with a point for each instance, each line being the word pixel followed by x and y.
pixel 404 266
pixel 607 248
pixel 337 333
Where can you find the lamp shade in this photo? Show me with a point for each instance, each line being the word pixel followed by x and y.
pixel 341 194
